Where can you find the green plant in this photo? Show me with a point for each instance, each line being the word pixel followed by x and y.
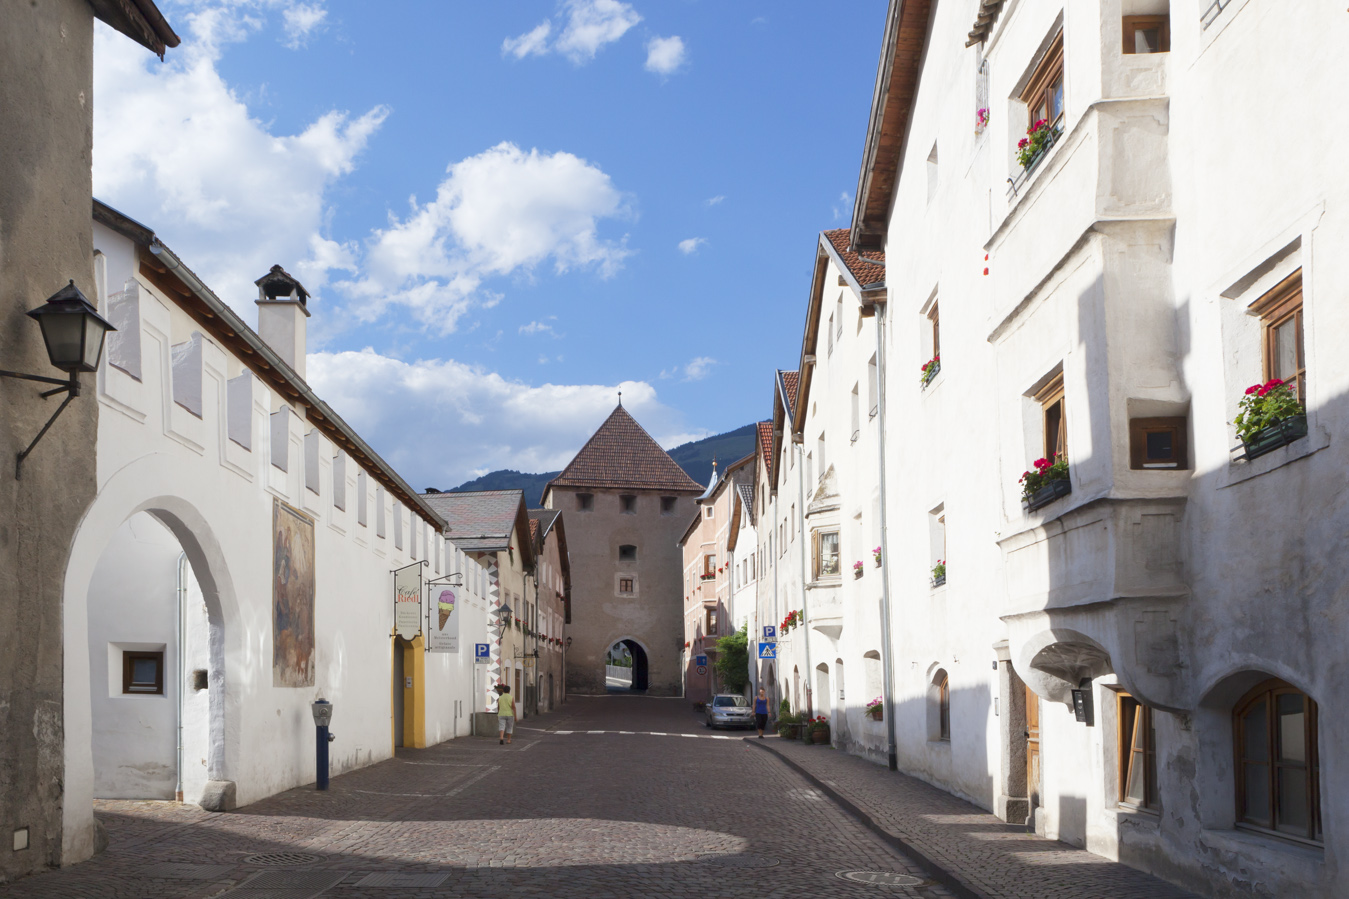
pixel 929 370
pixel 1265 405
pixel 939 570
pixel 784 709
pixel 1037 140
pixel 821 723
pixel 1055 468
pixel 733 660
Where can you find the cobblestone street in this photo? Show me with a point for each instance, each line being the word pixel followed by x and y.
pixel 611 797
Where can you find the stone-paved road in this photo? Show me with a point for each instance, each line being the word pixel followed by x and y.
pixel 610 797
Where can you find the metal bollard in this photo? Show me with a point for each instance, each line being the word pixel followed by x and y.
pixel 323 714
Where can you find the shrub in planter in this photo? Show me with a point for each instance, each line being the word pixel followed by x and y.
pixel 939 573
pixel 1270 416
pixel 818 728
pixel 858 568
pixel 1030 148
pixel 929 370
pixel 1046 483
pixel 876 554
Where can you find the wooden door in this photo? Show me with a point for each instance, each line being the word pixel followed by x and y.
pixel 1032 747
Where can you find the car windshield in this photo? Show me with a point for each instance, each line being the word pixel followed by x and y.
pixel 738 701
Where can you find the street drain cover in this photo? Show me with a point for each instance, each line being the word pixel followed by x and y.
pixel 741 861
pixel 881 878
pixel 281 859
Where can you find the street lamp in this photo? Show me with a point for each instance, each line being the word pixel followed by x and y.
pixel 505 614
pixel 73 332
pixel 322 710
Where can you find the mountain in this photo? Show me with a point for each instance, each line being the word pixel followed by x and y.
pixel 695 458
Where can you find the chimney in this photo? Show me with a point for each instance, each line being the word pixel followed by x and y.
pixel 282 311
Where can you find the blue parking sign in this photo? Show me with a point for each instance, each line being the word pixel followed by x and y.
pixel 768 650
pixel 770 633
pixel 482 653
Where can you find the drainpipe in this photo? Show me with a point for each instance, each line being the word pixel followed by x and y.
pixel 887 651
pixel 805 615
pixel 774 558
pixel 182 649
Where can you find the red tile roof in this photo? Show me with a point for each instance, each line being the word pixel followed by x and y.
pixel 766 447
pixel 790 379
pixel 863 271
pixel 622 454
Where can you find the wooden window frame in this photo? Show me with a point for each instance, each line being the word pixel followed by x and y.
pixel 1276 307
pixel 817 557
pixel 710 622
pixel 1132 715
pixel 1049 396
pixel 1139 428
pixel 1266 694
pixel 129 659
pixel 631 586
pixel 944 708
pixel 934 316
pixel 1134 24
pixel 1040 87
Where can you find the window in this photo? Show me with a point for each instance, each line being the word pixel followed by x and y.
pixel 1051 403
pixel 667 505
pixel 585 502
pixel 819 453
pixel 709 565
pixel 810 470
pixel 1043 95
pixel 1147 34
pixel 944 708
pixel 1157 443
pixel 710 623
pixel 826 554
pixel 856 401
pixel 1278 770
pixel 751 566
pixel 627 504
pixel 1280 313
pixel 627 553
pixel 626 585
pixel 932 173
pixel 708 512
pixel 838 314
pixel 379 511
pixel 791 523
pixel 362 489
pixel 143 672
pixel 340 481
pixel 934 317
pixel 1137 754
pixel 830 332
pixel 873 402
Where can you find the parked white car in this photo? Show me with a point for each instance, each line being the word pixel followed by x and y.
pixel 729 710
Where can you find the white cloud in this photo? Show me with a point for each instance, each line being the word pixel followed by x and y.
pixel 531 43
pixel 177 148
pixel 538 328
pixel 699 368
pixel 843 206
pixel 591 24
pixel 501 211
pixel 470 419
pixel 301 19
pixel 691 245
pixel 664 55
pixel 714 201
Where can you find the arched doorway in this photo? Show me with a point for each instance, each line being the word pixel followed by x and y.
pixel 625 667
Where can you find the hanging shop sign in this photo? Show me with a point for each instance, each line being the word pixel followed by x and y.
pixel 444 620
pixel 407 601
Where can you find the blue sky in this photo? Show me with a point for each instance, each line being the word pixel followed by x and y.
pixel 505 212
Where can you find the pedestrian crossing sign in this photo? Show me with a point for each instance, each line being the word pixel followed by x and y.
pixel 768 650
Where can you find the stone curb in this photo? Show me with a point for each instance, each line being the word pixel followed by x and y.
pixel 933 870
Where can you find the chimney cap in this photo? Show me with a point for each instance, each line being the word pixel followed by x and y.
pixel 280 284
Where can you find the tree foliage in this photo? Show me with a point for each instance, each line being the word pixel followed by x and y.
pixel 733 660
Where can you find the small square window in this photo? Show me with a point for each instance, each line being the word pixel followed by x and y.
pixel 585 502
pixel 667 505
pixel 627 504
pixel 826 554
pixel 627 553
pixel 1147 34
pixel 143 672
pixel 625 585
pixel 1157 443
pixel 708 513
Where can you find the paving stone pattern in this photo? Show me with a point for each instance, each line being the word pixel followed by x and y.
pixel 656 811
pixel 971 851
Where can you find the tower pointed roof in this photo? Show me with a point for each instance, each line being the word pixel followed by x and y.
pixel 621 454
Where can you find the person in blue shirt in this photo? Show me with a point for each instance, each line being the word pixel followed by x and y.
pixel 761 712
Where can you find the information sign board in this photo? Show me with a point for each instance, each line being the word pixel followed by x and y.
pixel 407 601
pixel 444 625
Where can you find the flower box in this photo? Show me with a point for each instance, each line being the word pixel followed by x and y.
pixel 938 580
pixel 929 371
pixel 1281 433
pixel 1048 493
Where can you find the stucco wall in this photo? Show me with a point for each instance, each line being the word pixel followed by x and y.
pixel 46 84
pixel 599 615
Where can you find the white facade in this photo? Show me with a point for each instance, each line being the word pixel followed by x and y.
pixel 1185 186
pixel 195 455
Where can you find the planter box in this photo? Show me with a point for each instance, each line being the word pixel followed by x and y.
pixel 857 572
pixel 930 374
pixel 939 581
pixel 877 713
pixel 820 736
pixel 1048 493
pixel 1276 435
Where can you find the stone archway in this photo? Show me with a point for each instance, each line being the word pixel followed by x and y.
pixel 631 674
pixel 146 486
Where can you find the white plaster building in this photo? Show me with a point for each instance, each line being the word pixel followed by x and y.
pixel 235 562
pixel 1146 662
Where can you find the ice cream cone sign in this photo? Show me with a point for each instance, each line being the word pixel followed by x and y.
pixel 446 606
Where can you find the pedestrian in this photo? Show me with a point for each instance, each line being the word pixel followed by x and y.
pixel 505 715
pixel 761 712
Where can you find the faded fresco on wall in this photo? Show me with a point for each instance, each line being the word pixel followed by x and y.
pixel 292 598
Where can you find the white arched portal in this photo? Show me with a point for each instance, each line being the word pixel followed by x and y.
pixel 162 489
